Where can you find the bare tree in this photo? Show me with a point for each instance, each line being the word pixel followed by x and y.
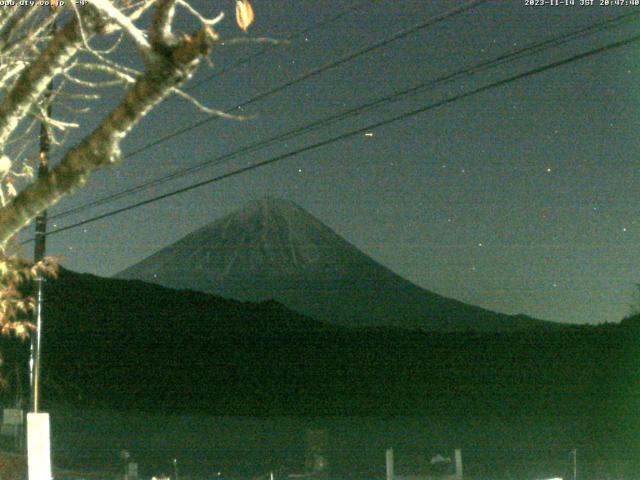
pixel 33 55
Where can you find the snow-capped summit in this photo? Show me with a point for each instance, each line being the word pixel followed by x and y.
pixel 274 249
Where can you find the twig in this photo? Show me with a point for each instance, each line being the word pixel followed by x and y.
pixel 208 110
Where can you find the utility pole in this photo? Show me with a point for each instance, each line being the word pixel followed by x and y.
pixel 38 430
pixel 40 240
pixel 38 424
pixel 38 255
pixel 574 452
pixel 389 462
pixel 458 457
pixel 175 469
pixel 125 455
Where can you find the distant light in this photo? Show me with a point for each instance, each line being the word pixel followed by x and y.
pixel 548 169
pixel 368 134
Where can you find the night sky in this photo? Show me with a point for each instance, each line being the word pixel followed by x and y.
pixel 520 199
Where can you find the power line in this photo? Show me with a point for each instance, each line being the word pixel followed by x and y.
pixel 357 131
pixel 336 63
pixel 397 36
pixel 268 48
pixel 331 119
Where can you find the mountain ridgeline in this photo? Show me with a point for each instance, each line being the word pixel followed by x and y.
pixel 361 342
pixel 127 345
pixel 273 249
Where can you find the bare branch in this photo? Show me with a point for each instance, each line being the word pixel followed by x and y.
pixel 114 14
pixel 79 96
pixel 139 11
pixel 13 22
pixel 160 30
pixel 59 124
pixel 102 146
pixel 113 47
pixel 11 73
pixel 34 79
pixel 245 40
pixel 24 134
pixel 205 109
pixel 29 31
pixel 121 79
pixel 121 73
pixel 208 22
pixel 31 56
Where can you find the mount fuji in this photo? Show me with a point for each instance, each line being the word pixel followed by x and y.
pixel 274 249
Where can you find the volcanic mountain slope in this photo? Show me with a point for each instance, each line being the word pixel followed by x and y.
pixel 130 345
pixel 273 249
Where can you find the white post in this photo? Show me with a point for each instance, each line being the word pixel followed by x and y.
pixel 38 446
pixel 458 455
pixel 390 464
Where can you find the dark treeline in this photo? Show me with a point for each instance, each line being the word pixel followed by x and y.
pixel 129 345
